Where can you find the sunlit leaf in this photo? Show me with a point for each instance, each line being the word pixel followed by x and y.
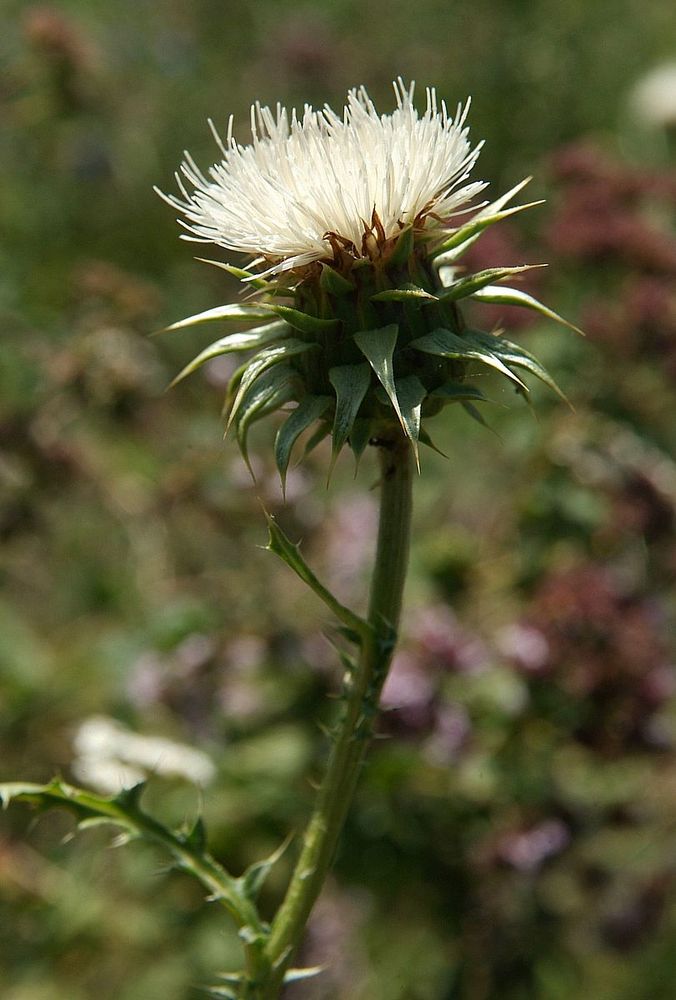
pixel 308 410
pixel 250 277
pixel 407 293
pixel 272 390
pixel 410 394
pixel 248 341
pixel 496 295
pixel 472 283
pixel 512 354
pixel 283 547
pixel 459 391
pixel 233 311
pixel 359 437
pixel 378 346
pixel 304 322
pixel 351 383
pixel 254 877
pixel 446 344
pixel 264 360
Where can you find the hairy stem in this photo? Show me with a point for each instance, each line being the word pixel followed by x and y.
pixel 355 726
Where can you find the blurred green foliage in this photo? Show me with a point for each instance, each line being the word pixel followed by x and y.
pixel 514 834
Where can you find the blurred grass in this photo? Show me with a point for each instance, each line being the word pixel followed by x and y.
pixel 513 836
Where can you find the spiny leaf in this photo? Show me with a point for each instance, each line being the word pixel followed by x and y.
pixel 512 354
pixel 308 410
pixel 488 215
pixel 359 438
pixel 429 443
pixel 496 295
pixel 250 277
pixel 475 414
pixel 411 393
pixel 499 203
pixel 248 341
pixel 351 383
pixel 316 438
pixel 290 553
pixel 463 287
pixel 460 242
pixel 254 877
pixel 446 344
pixel 264 360
pixel 196 836
pixel 333 282
pixel 124 811
pixel 459 391
pixel 242 312
pixel 232 387
pixel 406 293
pixel 304 321
pixel 378 346
pixel 272 390
pixel 130 798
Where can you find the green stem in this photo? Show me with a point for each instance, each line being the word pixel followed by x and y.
pixel 355 727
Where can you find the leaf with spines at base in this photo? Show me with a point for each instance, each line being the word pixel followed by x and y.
pixel 232 312
pixel 411 393
pixel 304 322
pixel 239 272
pixel 498 296
pixel 405 293
pixel 512 354
pixel 277 386
pixel 429 443
pixel 251 340
pixel 254 877
pixel 262 362
pixel 360 436
pixel 125 812
pixel 475 414
pixel 195 836
pixel 283 547
pixel 351 383
pixel 458 244
pixel 487 216
pixel 316 438
pixel 378 348
pixel 309 409
pixel 458 392
pixel 472 283
pixel 446 344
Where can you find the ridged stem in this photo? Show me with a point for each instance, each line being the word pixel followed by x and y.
pixel 356 724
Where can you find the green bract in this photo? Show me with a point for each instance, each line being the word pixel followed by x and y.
pixel 363 343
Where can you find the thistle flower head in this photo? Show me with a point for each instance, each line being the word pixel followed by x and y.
pixel 310 184
pixel 352 223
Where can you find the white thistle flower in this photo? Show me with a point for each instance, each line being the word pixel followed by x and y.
pixel 306 185
pixel 355 218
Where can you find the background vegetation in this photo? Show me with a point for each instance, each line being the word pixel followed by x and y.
pixel 515 834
